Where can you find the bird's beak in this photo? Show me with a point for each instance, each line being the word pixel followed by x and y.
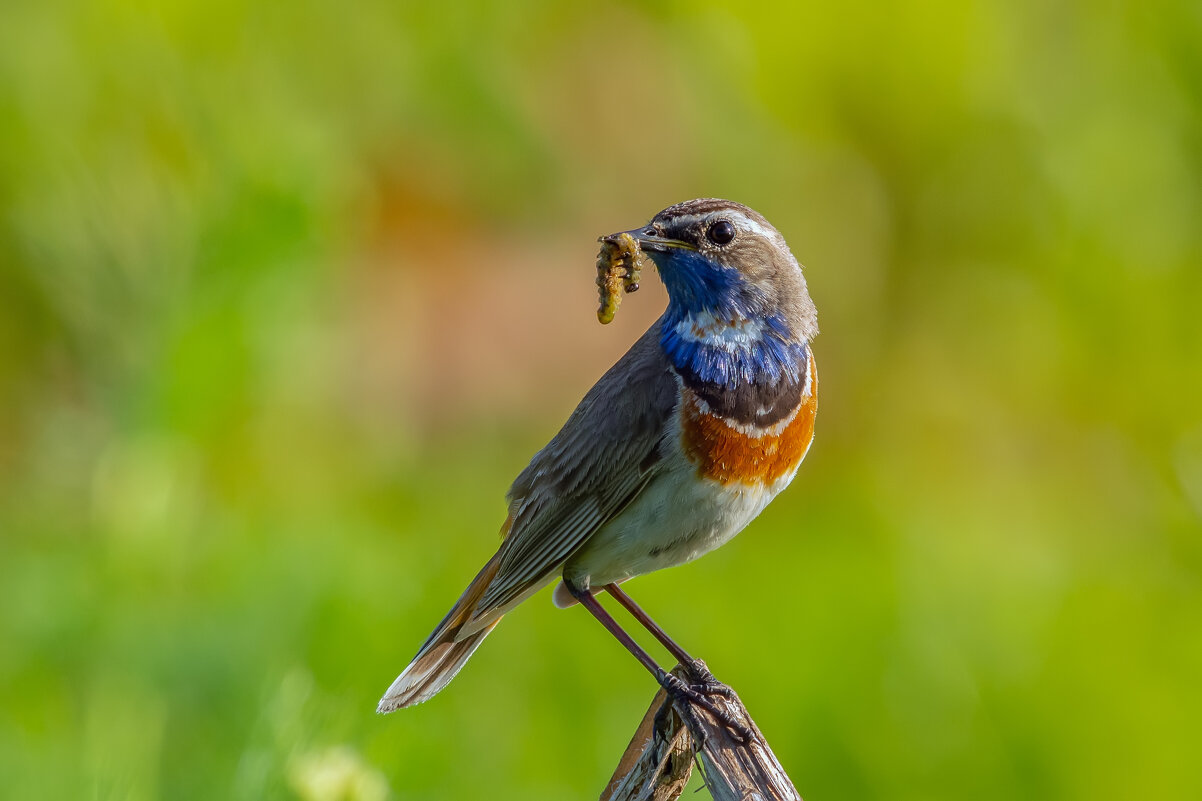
pixel 649 239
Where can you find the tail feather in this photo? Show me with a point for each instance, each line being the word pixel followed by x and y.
pixel 446 649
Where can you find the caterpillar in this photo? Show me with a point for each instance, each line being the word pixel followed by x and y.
pixel 619 265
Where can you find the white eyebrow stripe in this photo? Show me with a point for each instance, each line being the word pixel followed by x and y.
pixel 748 224
pixel 738 218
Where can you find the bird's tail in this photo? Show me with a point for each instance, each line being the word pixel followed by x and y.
pixel 446 649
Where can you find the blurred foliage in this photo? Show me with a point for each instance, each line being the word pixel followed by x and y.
pixel 290 292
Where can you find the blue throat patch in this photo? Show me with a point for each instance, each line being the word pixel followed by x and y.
pixel 759 384
pixel 697 285
pixel 773 360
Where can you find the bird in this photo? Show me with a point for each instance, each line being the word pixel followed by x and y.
pixel 674 450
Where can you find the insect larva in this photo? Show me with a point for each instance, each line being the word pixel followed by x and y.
pixel 619 265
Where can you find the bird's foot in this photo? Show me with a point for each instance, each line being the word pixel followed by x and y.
pixel 664 731
pixel 703 680
pixel 685 696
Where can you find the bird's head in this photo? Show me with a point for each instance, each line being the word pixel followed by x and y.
pixel 720 258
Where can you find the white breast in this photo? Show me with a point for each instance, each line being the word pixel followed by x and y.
pixel 677 518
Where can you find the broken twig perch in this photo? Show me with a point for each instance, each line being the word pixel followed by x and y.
pixel 659 760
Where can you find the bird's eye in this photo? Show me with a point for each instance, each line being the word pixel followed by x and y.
pixel 721 233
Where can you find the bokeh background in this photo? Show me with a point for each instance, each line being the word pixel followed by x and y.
pixel 290 292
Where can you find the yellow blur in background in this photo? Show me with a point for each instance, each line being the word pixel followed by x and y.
pixel 290 292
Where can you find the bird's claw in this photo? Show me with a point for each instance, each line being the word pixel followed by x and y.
pixel 685 695
pixel 662 730
pixel 704 681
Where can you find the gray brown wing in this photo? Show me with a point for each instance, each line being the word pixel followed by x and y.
pixel 600 460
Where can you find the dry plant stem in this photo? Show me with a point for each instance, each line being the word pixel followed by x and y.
pixel 658 761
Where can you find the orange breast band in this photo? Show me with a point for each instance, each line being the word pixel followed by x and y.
pixel 726 455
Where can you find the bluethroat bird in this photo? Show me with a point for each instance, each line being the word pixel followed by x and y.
pixel 678 447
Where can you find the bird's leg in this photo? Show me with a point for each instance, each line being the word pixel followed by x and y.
pixel 697 669
pixel 676 688
pixel 606 619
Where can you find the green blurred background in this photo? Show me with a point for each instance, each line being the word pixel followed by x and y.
pixel 290 292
